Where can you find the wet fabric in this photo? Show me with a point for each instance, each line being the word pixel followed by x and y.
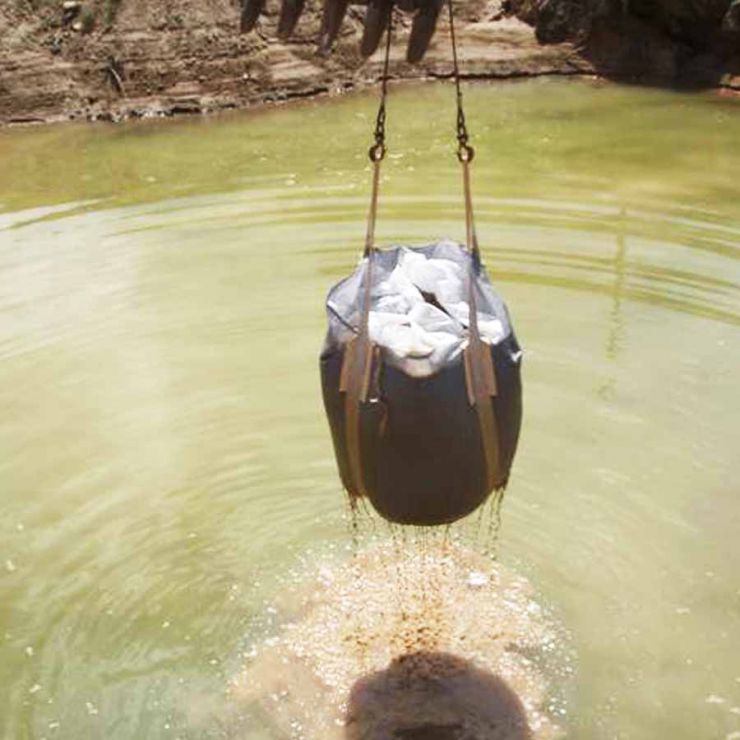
pixel 423 454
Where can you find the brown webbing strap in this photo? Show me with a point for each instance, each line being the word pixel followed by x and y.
pixel 480 378
pixel 465 152
pixel 354 382
pixel 376 153
pixel 359 353
pixel 373 210
pixel 470 236
pixel 480 375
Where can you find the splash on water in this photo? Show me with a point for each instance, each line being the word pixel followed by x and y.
pixel 424 637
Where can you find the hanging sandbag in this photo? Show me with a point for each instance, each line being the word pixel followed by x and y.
pixel 420 370
pixel 432 424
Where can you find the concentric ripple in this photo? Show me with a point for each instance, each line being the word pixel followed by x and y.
pixel 164 458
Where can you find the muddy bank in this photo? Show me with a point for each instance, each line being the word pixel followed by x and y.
pixel 673 42
pixel 177 56
pixel 117 59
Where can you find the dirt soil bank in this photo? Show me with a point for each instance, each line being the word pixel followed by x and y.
pixel 116 59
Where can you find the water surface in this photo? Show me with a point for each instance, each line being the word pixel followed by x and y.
pixel 164 456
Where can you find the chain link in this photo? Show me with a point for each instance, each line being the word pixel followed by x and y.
pixel 465 152
pixel 377 150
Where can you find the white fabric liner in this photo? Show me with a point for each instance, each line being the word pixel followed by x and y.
pixel 410 327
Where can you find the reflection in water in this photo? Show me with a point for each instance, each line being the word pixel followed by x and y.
pixel 616 320
pixel 402 635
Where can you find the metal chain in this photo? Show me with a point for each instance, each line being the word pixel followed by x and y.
pixel 465 152
pixel 377 150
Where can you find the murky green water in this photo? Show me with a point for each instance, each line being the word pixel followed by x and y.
pixel 163 453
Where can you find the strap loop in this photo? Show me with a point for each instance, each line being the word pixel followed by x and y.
pixel 465 153
pixel 376 152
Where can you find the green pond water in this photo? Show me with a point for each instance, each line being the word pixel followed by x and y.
pixel 164 458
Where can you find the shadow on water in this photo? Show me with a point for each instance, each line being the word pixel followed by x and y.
pixel 434 696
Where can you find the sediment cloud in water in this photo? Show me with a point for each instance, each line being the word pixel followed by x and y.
pixel 426 640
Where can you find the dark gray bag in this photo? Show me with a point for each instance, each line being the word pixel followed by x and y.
pixel 425 442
